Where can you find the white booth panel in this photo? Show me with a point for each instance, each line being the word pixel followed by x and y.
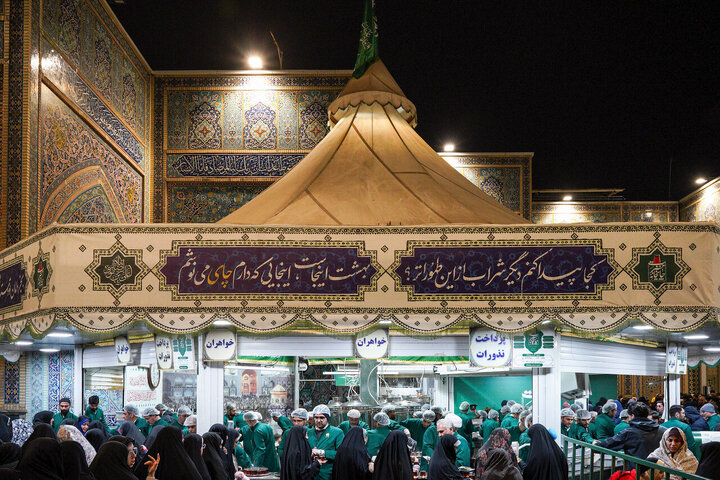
pixel 140 354
pixel 448 346
pixel 587 356
pixel 308 346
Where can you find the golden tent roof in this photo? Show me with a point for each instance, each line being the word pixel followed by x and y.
pixel 372 168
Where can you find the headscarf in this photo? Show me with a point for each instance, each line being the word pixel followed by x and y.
pixel 175 464
pixel 709 461
pixel 351 458
pixel 22 429
pixel 127 441
pixel 41 430
pixel 75 466
pixel 95 437
pixel 69 421
pixel 499 438
pixel 193 446
pixel 45 416
pixel 500 467
pixel 212 456
pixel 111 463
pixel 150 440
pixel 41 460
pixel 9 455
pixel 682 460
pixel 442 463
pixel 296 461
pixel 83 419
pixel 69 433
pixel 545 459
pixel 230 443
pixel 99 425
pixel 130 430
pixel 393 459
pixel 225 455
pixel 5 428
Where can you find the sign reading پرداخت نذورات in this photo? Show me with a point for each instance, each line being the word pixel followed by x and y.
pixel 163 352
pixel 489 348
pixel 536 349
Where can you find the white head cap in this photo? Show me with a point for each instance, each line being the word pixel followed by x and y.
pixel 382 419
pixel 353 413
pixel 464 406
pixel 455 419
pixel 516 408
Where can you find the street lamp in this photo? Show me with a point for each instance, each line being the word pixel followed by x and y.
pixel 449 147
pixel 255 62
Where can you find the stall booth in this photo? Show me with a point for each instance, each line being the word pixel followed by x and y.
pixel 371 237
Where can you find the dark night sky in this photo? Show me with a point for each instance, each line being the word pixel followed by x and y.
pixel 604 93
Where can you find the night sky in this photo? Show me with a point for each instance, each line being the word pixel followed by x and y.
pixel 605 93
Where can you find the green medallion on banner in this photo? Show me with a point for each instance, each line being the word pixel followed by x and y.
pixel 657 268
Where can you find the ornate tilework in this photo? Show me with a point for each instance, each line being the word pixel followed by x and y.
pixel 313 117
pixel 69 28
pixel 16 85
pixel 702 205
pixel 603 212
pixel 208 203
pixel 205 112
pixel 54 381
pixel 288 120
pixel 68 146
pixel 12 383
pixel 177 119
pixel 91 206
pixel 259 130
pixel 37 383
pixel 231 165
pixel 232 136
pixel 66 374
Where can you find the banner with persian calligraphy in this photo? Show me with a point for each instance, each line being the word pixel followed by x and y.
pixel 13 283
pixel 220 345
pixel 489 348
pixel 137 389
pixel 163 352
pixel 375 344
pixel 676 358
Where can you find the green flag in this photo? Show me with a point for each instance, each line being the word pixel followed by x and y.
pixel 368 51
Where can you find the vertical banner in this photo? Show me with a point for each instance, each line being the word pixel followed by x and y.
pixel 373 345
pixel 489 348
pixel 535 349
pixel 122 349
pixel 671 357
pixel 163 352
pixel 183 349
pixel 219 345
pixel 682 363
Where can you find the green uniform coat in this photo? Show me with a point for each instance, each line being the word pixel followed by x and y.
pixel 692 445
pixel 523 451
pixel 395 425
pixel 417 431
pixel 564 431
pixel 375 439
pixel 242 458
pixel 712 421
pixel 148 428
pixel 462 458
pixel 345 426
pixel 285 423
pixel 513 426
pixel 330 439
pixel 96 415
pixel 430 441
pixel 605 426
pixel 58 418
pixel 620 427
pixel 488 426
pixel 237 420
pixel 581 433
pixel 259 444
pixel 593 429
pixel 467 426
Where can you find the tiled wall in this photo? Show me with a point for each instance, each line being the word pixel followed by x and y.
pixel 603 212
pixel 221 139
pixel 12 383
pixel 702 205
pixel 49 378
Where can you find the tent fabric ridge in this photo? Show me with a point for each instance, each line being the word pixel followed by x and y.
pixel 369 98
pixel 410 190
pixel 312 197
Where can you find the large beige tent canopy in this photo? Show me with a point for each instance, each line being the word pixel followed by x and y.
pixel 371 226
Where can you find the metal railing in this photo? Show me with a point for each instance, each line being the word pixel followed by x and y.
pixel 597 463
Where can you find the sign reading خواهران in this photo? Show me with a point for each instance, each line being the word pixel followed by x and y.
pixel 374 344
pixel 535 349
pixel 219 345
pixel 489 348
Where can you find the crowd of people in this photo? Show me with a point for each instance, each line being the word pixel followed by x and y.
pixel 434 444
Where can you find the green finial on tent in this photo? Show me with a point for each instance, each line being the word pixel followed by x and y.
pixel 368 51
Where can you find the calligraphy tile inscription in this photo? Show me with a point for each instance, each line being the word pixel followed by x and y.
pixel 224 270
pixel 231 165
pixel 505 270
pixel 13 284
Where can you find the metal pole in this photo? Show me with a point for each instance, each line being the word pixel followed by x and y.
pixel 296 387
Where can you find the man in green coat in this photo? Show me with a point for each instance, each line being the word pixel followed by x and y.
pixel 677 419
pixel 707 412
pixel 489 424
pixel 182 415
pixel 324 440
pixel 231 415
pixel 580 429
pixel 592 426
pixel 567 418
pixel 430 441
pixel 376 437
pixel 130 414
pixel 462 457
pixel 467 427
pixel 259 442
pixel 418 426
pixel 512 422
pixel 504 411
pixel 298 418
pixel 605 425
pixel 524 442
pixel 625 418
pixel 283 421
pixel 152 417
pixel 94 412
pixel 64 414
pixel 353 420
